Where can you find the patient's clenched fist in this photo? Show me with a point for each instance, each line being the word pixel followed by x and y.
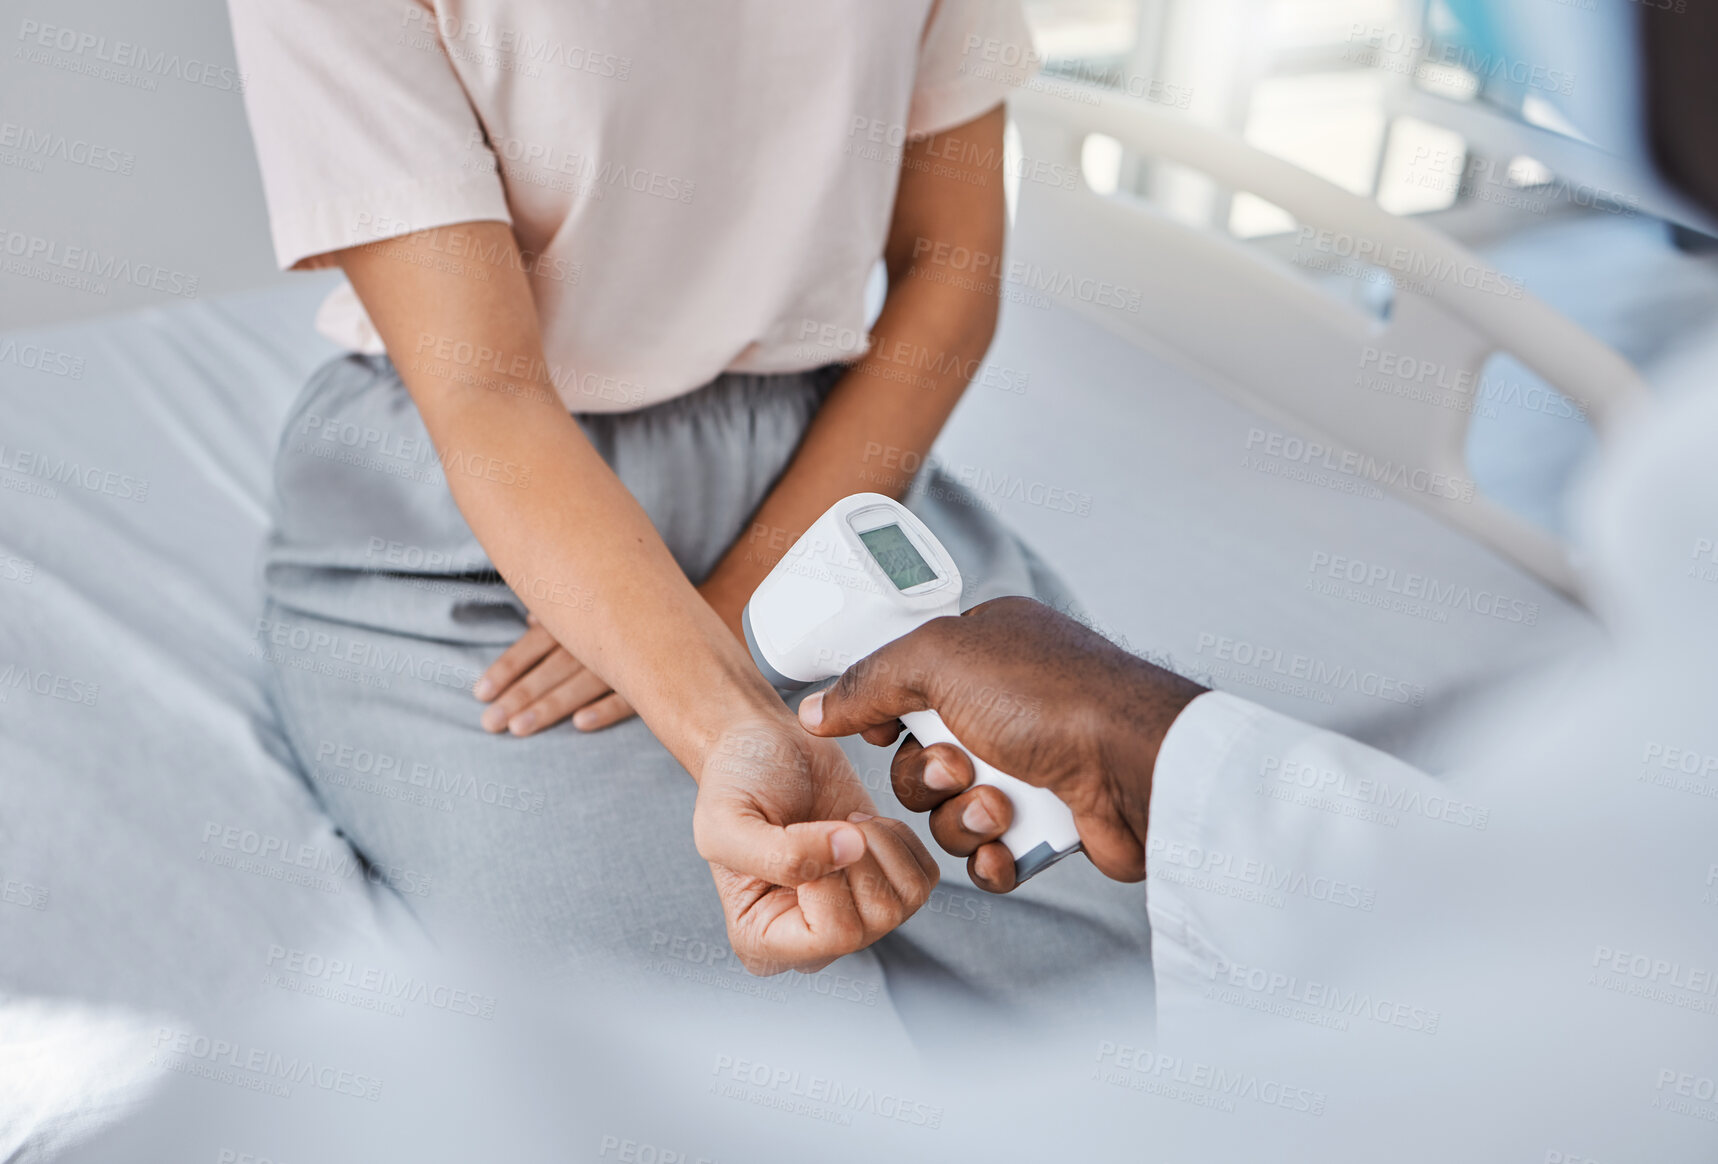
pixel 806 870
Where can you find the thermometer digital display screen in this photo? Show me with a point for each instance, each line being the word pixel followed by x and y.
pixel 903 564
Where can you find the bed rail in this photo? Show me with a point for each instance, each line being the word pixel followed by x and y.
pixel 1249 324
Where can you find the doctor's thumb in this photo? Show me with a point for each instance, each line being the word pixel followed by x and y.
pixel 870 695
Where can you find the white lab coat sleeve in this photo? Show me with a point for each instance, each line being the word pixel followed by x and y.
pixel 1275 851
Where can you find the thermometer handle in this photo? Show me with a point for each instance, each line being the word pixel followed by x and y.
pixel 1043 830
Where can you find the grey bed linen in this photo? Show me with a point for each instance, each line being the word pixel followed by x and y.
pixel 139 757
pixel 571 848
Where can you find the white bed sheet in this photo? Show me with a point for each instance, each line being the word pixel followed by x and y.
pixel 133 719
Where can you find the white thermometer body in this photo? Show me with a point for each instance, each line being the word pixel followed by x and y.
pixel 865 574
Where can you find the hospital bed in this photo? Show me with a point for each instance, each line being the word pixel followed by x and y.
pixel 135 454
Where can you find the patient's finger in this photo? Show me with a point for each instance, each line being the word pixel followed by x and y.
pixel 559 703
pixel 526 652
pixel 833 919
pixel 730 830
pixel 556 668
pixel 896 877
pixel 975 817
pixel 925 777
pixel 769 930
pixel 916 847
pixel 610 709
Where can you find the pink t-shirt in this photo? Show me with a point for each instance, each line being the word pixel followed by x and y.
pixel 696 185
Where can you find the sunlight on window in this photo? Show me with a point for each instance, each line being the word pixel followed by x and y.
pixel 1295 24
pixel 1082 29
pixel 1527 172
pixel 1443 79
pixel 1331 124
pixel 1423 167
pixel 1100 162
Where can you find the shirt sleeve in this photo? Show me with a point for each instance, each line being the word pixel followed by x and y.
pixel 972 54
pixel 363 130
pixel 1270 842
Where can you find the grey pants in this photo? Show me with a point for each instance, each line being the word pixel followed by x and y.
pixel 568 848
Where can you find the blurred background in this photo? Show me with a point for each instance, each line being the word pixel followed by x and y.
pixel 1410 102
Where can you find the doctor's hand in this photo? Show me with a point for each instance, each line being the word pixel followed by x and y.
pixel 1034 693
pixel 806 870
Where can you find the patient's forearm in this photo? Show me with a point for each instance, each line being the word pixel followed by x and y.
pixel 555 521
pixel 878 424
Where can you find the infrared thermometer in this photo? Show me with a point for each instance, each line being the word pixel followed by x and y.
pixel 864 575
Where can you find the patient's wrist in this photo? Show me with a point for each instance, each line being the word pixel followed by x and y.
pixel 723 696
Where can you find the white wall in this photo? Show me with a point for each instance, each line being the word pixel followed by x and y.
pixel 185 201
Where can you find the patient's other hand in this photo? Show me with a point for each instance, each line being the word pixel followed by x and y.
pixel 536 683
pixel 805 869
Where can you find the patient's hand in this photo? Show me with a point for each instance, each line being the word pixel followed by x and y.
pixel 805 869
pixel 536 683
